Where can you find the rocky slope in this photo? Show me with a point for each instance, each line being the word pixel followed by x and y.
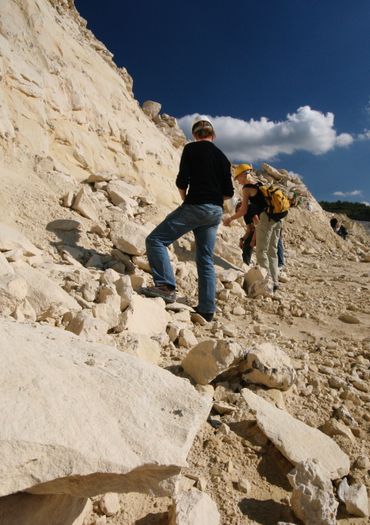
pixel 85 173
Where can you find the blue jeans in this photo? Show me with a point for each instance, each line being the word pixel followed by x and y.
pixel 280 252
pixel 203 220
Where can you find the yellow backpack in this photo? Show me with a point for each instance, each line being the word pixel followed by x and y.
pixel 277 202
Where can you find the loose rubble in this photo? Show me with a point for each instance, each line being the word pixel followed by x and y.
pixel 109 397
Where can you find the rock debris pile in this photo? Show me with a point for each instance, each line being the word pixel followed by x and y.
pixel 118 409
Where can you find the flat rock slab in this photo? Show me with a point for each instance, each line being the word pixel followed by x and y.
pixel 82 419
pixel 295 440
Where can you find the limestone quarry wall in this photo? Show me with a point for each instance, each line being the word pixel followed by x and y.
pixel 66 112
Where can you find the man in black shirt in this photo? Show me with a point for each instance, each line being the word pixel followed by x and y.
pixel 204 182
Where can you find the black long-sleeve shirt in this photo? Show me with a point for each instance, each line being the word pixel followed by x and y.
pixel 206 173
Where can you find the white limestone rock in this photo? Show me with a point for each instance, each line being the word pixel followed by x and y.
pixel 13 291
pixel 313 499
pixel 257 282
pixel 51 438
pixel 63 225
pixel 125 291
pixel 53 509
pixel 354 497
pixel 266 364
pixel 151 108
pixel 210 358
pixel 5 267
pixel 146 316
pixel 194 508
pixel 187 338
pixel 46 297
pixel 141 346
pixel 230 275
pixel 121 188
pixel 24 312
pixel 88 327
pixel 10 239
pixel 84 205
pixel 108 307
pixel 109 504
pixel 348 318
pixel 295 440
pixel 129 236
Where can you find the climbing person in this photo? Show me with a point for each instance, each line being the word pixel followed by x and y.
pixel 340 230
pixel 269 225
pixel 248 208
pixel 204 182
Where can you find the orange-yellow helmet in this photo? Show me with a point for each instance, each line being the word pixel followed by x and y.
pixel 241 168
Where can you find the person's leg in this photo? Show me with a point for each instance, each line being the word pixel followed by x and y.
pixel 205 239
pixel 280 252
pixel 174 226
pixel 263 234
pixel 272 251
pixel 247 249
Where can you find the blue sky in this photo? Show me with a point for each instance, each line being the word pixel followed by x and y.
pixel 285 81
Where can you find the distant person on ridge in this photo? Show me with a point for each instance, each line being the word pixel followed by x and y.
pixel 204 182
pixel 340 230
pixel 268 229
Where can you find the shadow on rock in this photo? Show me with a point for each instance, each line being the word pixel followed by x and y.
pixel 281 467
pixel 265 512
pixel 153 519
pixel 69 234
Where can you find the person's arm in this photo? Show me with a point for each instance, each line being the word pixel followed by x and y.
pixel 228 188
pixel 241 211
pixel 183 177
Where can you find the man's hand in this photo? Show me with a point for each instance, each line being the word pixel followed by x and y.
pixel 227 221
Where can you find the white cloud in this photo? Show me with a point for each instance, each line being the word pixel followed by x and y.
pixel 263 139
pixel 366 203
pixel 364 136
pixel 347 193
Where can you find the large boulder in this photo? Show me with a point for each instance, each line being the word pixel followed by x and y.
pixel 295 440
pixel 266 364
pixel 82 419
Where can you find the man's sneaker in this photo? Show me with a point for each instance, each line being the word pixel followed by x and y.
pixel 167 293
pixel 201 317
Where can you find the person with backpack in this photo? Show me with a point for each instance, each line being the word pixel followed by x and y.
pixel 273 206
pixel 204 182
